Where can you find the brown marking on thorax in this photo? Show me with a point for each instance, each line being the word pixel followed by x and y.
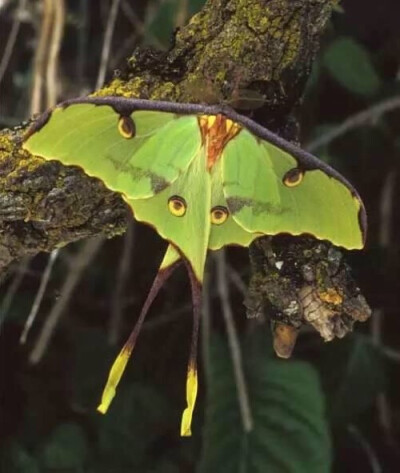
pixel 216 131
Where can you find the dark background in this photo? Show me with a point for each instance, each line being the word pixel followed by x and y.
pixel 48 418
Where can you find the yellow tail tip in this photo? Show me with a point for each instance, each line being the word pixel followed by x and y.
pixel 114 378
pixel 106 399
pixel 103 408
pixel 186 425
pixel 191 394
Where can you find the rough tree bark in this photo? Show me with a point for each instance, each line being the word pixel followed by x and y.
pixel 263 46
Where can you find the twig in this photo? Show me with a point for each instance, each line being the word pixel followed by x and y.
pixel 152 11
pixel 236 280
pixel 124 50
pixel 41 57
pixel 182 13
pixel 12 38
pixel 53 58
pixel 140 26
pixel 391 354
pixel 4 4
pixel 56 28
pixel 369 115
pixel 13 288
pixel 372 457
pixel 122 277
pixel 382 404
pixel 82 41
pixel 105 52
pixel 234 345
pixel 78 265
pixel 386 209
pixel 39 296
pixel 141 29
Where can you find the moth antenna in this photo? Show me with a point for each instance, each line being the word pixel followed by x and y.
pixel 191 378
pixel 170 262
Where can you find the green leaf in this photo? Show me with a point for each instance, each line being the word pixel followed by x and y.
pixel 15 459
pixel 139 416
pixel 352 373
pixel 66 449
pixel 290 431
pixel 349 63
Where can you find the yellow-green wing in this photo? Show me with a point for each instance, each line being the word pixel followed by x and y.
pixel 180 213
pixel 270 191
pixel 224 231
pixel 138 154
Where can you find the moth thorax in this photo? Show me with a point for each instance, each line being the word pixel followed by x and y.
pixel 216 132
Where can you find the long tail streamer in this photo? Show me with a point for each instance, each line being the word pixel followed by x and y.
pixel 170 262
pixel 191 379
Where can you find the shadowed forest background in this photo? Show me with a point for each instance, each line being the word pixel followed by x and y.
pixel 331 407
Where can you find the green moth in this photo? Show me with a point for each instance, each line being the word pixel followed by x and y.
pixel 203 177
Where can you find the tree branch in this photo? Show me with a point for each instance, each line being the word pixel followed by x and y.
pixel 265 46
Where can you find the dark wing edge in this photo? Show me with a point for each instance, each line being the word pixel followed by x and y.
pixel 38 123
pixel 306 160
pixel 126 106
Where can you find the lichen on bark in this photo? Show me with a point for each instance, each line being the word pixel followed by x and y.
pixel 266 46
pixel 297 281
pixel 44 205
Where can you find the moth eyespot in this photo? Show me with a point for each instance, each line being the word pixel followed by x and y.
pixel 293 177
pixel 177 206
pixel 126 127
pixel 219 215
